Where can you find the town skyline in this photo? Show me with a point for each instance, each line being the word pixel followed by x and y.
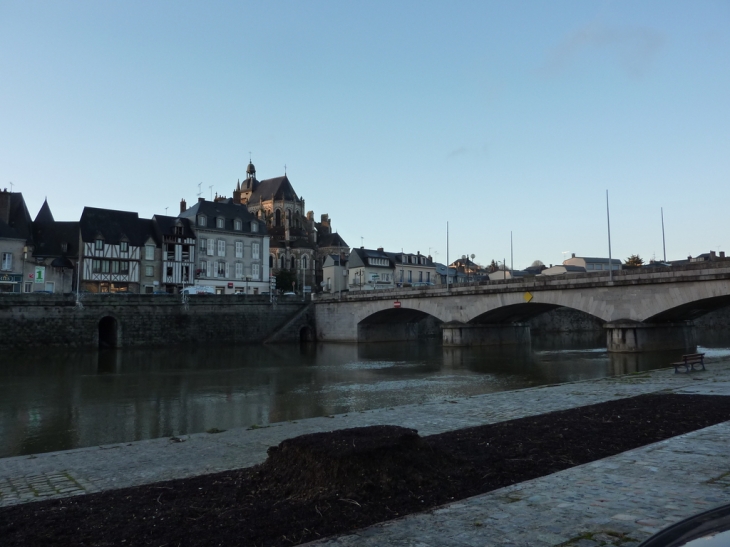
pixel 394 120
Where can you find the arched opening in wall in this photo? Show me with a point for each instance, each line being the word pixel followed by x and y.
pixel 293 266
pixel 552 327
pixel 109 333
pixel 306 335
pixel 281 262
pixel 304 262
pixel 398 324
pixel 277 217
pixel 288 218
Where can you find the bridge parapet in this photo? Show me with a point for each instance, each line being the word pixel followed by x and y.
pixel 703 271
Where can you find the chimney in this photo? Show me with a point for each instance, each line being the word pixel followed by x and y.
pixel 5 206
pixel 712 255
pixel 201 200
pixel 380 249
pixel 183 206
pixel 573 255
pixel 722 254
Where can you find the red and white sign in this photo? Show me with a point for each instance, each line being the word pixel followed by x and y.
pixel 396 304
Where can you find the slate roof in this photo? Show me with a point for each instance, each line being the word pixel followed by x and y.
pixel 228 210
pixel 115 226
pixel 44 215
pixel 332 240
pixel 398 259
pixel 358 257
pixel 278 188
pixel 48 238
pixel 19 225
pixel 165 225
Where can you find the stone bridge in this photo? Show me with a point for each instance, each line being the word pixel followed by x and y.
pixel 641 309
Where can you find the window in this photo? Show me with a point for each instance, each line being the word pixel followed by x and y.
pixel 99 244
pixel 220 223
pixel 201 220
pixel 238 225
pixel 211 247
pixel 221 269
pixel 239 270
pixel 149 252
pixel 178 230
pixel 149 271
pixel 124 267
pixel 420 276
pixel 271 261
pixel 277 216
pixel 203 243
pixel 410 276
pixel 124 246
pixel 169 271
pixel 255 251
pixel 428 277
pixel 115 266
pixel 378 261
pixel 254 226
pixel 104 266
pixel 281 262
pixel 203 268
pixel 254 271
pixel 304 262
pixel 239 249
pixel 7 261
pixel 96 266
pixel 28 287
pixel 221 247
pixel 401 276
pixel 288 218
pixel 64 247
pixel 293 265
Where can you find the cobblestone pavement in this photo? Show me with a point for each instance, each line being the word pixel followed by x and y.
pixel 615 501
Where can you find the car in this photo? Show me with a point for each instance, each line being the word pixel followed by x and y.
pixel 198 289
pixel 289 293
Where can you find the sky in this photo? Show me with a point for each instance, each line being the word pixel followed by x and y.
pixel 504 120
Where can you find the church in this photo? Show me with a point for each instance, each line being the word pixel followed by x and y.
pixel 297 242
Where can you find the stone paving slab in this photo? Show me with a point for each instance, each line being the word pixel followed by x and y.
pixel 620 500
pixel 548 511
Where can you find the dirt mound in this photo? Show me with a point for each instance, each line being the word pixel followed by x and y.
pixel 354 463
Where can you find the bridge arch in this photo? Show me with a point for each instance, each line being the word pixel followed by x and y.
pixel 523 312
pixel 398 324
pixel 688 311
pixel 109 332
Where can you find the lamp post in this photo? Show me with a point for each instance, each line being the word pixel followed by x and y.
pixel 245 295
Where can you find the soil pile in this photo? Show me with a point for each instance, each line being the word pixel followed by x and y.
pixel 332 483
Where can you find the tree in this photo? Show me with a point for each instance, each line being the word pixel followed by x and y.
pixel 493 267
pixel 634 260
pixel 284 279
pixel 537 264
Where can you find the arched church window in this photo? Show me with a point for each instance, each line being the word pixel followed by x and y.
pixel 304 262
pixel 293 266
pixel 288 218
pixel 281 262
pixel 278 217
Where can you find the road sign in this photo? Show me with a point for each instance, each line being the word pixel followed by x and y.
pixel 396 304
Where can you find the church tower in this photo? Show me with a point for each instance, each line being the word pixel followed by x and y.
pixel 249 184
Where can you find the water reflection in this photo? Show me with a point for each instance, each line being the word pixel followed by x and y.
pixel 55 400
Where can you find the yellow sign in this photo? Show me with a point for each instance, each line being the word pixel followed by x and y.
pixel 527 296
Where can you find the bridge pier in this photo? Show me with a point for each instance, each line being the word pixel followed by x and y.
pixel 634 337
pixel 462 334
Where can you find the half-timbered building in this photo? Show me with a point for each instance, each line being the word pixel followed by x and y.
pixel 177 240
pixel 115 246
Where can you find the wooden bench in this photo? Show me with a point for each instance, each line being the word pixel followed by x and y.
pixel 689 361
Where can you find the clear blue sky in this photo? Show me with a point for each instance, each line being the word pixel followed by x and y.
pixel 394 117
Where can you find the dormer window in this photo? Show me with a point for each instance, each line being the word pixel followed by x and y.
pixel 64 247
pixel 99 245
pixel 124 246
pixel 254 227
pixel 201 220
pixel 178 230
pixel 220 223
pixel 238 225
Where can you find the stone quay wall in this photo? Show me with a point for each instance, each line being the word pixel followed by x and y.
pixel 140 319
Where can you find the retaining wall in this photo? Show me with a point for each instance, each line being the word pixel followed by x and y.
pixel 141 319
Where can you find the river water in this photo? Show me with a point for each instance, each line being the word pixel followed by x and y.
pixel 59 399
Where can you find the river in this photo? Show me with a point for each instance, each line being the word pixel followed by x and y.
pixel 55 399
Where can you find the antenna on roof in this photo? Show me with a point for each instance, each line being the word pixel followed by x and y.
pixel 285 169
pixel 199 190
pixel 11 186
pixel 166 208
